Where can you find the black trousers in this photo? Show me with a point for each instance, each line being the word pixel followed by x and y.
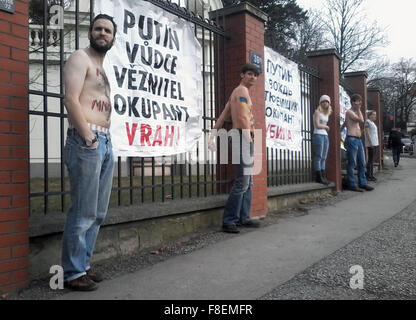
pixel 370 162
pixel 396 154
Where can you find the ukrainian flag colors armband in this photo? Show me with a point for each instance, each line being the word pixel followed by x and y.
pixel 243 102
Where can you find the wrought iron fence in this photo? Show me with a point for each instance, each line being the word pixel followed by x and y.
pixel 136 180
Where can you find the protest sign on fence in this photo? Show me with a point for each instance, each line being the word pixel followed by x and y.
pixel 282 101
pixel 155 75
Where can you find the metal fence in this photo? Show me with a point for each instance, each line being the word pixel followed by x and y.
pixel 136 180
pixel 292 167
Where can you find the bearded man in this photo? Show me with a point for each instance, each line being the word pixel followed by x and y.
pixel 88 153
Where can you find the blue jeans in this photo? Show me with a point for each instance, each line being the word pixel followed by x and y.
pixel 237 208
pixel 320 145
pixel 355 159
pixel 91 176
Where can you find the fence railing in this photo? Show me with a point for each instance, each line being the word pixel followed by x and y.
pixel 136 180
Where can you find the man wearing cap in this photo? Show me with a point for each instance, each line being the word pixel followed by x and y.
pixel 239 107
pixel 88 153
pixel 354 146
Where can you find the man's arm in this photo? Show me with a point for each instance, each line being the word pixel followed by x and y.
pixel 225 114
pixel 356 117
pixel 240 111
pixel 74 76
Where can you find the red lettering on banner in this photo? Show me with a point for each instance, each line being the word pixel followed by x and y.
pixel 169 135
pixel 132 133
pixel 276 132
pixel 145 132
pixel 152 137
pixel 158 136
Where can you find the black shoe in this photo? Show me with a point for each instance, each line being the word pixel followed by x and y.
pixel 83 283
pixel 356 189
pixel 250 224
pixel 94 276
pixel 319 178
pixel 230 228
pixel 323 178
pixel 371 179
pixel 366 187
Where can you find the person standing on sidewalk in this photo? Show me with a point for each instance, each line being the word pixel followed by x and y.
pixel 320 141
pixel 88 153
pixel 239 108
pixel 396 144
pixel 371 142
pixel 354 146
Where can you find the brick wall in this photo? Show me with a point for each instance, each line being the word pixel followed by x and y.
pixel 14 148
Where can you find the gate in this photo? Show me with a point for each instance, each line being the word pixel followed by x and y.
pixel 136 180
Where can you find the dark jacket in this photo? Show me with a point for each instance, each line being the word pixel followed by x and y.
pixel 395 139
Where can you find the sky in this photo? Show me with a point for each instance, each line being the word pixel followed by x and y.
pixel 398 17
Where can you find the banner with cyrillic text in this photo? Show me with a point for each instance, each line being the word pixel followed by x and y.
pixel 155 73
pixel 282 95
pixel 344 105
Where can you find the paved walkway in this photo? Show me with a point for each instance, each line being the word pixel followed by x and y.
pixel 251 265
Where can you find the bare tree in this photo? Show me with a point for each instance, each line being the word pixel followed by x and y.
pixel 349 32
pixel 398 88
pixel 405 75
pixel 308 35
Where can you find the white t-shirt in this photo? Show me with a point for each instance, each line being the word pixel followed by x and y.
pixel 323 119
pixel 372 140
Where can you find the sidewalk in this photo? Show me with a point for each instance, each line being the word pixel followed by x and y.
pixel 249 265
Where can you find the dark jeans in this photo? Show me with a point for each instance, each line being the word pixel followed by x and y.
pixel 396 154
pixel 370 162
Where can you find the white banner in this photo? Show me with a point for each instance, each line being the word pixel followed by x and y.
pixel 344 105
pixel 282 95
pixel 155 73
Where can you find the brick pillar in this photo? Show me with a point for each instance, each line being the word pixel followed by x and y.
pixel 374 99
pixel 327 62
pixel 244 24
pixel 14 148
pixel 358 82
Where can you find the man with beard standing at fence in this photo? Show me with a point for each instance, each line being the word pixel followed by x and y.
pixel 88 153
pixel 239 107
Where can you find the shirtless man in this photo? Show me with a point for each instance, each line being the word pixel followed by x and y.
pixel 354 146
pixel 237 208
pixel 88 153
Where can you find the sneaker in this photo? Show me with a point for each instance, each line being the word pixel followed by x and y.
pixel 83 283
pixel 230 228
pixel 356 189
pixel 371 179
pixel 250 224
pixel 95 276
pixel 366 187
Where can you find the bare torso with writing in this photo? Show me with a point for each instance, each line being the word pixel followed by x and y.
pixel 95 96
